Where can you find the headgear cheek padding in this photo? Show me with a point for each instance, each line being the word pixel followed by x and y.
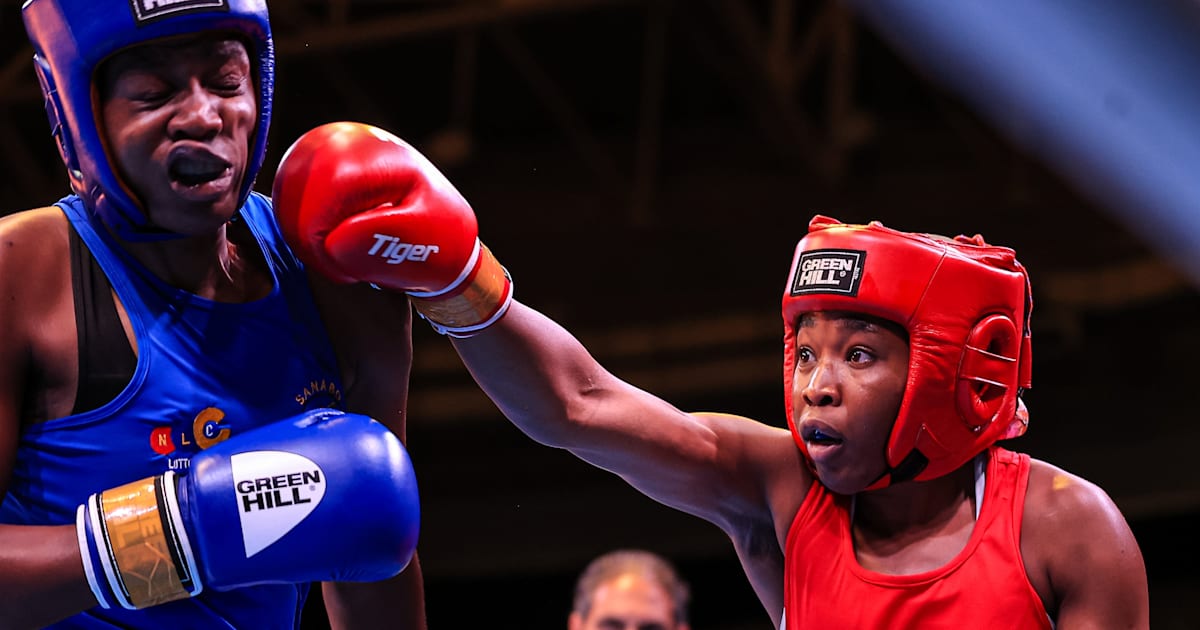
pixel 72 38
pixel 965 305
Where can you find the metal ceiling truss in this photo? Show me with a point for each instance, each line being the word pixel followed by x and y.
pixel 772 59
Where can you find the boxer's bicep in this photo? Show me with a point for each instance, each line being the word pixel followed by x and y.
pixel 14 350
pixel 726 469
pixel 685 461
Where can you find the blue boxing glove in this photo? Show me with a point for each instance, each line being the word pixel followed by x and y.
pixel 322 496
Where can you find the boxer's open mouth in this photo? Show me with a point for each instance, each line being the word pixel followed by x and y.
pixel 820 437
pixel 190 166
pixel 194 173
pixel 817 433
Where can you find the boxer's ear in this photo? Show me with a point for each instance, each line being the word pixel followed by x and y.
pixel 988 372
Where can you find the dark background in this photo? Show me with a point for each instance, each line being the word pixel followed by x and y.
pixel 644 170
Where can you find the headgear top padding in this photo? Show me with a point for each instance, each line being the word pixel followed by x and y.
pixel 72 38
pixel 965 305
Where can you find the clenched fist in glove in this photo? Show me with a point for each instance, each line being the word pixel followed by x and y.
pixel 320 496
pixel 358 204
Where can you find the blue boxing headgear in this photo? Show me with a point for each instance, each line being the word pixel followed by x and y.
pixel 72 38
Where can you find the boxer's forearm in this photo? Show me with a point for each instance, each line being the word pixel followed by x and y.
pixel 395 604
pixel 551 387
pixel 539 375
pixel 41 576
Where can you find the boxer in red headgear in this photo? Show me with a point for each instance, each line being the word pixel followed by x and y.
pixel 906 355
pixel 964 306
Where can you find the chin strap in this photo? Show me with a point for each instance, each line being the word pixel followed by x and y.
pixel 909 467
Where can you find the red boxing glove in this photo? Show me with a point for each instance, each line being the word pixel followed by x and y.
pixel 358 204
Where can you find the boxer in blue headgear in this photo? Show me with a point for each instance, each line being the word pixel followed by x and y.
pixel 72 38
pixel 164 457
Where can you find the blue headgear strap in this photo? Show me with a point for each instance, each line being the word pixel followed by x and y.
pixel 71 38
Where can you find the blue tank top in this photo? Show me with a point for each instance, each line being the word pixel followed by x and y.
pixel 206 371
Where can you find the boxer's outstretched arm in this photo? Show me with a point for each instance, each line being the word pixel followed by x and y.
pixel 743 476
pixel 711 465
pixel 358 204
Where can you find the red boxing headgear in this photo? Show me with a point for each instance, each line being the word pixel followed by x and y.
pixel 966 307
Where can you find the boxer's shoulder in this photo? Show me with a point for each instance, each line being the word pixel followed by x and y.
pixel 34 259
pixel 31 231
pixel 768 456
pixel 1070 530
pixel 37 326
pixel 1057 499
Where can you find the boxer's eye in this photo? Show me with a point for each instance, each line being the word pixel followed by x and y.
pixel 860 356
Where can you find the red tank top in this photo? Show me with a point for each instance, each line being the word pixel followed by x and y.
pixel 984 586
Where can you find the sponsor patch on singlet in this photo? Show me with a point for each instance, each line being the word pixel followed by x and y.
pixel 829 271
pixel 149 10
